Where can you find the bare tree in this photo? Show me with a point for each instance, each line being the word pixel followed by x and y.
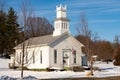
pixel 117 56
pixel 116 46
pixel 84 33
pixel 2 4
pixel 26 12
pixel 86 37
pixel 38 26
pixel 25 56
pixel 116 41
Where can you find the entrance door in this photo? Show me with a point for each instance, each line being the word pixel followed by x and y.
pixel 66 59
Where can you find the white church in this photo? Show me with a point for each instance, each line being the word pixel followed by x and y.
pixel 58 50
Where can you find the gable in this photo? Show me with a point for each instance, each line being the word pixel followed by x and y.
pixel 60 39
pixel 69 38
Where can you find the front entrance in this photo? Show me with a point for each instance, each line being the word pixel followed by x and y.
pixel 66 59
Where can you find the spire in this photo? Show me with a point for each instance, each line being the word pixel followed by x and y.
pixel 61 23
pixel 61 9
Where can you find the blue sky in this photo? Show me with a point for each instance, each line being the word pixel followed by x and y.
pixel 103 16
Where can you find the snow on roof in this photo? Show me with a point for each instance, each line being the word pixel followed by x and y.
pixel 42 40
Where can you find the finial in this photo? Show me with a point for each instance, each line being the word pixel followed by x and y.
pixel 60 5
pixel 65 6
pixel 56 6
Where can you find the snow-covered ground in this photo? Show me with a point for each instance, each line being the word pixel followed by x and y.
pixel 107 70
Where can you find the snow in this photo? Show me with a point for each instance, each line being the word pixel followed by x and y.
pixel 4 63
pixel 106 70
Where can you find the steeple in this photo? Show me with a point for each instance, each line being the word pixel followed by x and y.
pixel 61 23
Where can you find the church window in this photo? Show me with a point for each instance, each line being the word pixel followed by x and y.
pixel 20 57
pixel 74 56
pixel 41 57
pixel 26 57
pixel 55 56
pixel 62 25
pixel 33 57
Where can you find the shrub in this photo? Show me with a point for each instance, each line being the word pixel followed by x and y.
pixel 37 69
pixel 24 68
pixel 67 69
pixel 78 69
pixel 12 66
pixel 49 69
pixel 117 57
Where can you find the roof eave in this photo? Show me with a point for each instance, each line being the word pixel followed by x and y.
pixel 32 46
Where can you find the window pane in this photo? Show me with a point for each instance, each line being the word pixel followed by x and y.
pixel 74 56
pixel 33 57
pixel 55 56
pixel 41 57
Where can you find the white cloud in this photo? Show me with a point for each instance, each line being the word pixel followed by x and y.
pixel 111 10
pixel 103 21
pixel 96 6
pixel 44 12
pixel 90 3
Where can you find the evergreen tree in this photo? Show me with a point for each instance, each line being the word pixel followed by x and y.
pixel 12 30
pixel 2 32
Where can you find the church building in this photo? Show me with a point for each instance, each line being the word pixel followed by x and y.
pixel 58 50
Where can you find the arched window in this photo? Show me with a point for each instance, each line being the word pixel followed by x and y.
pixel 33 57
pixel 66 25
pixel 74 56
pixel 62 25
pixel 41 57
pixel 20 57
pixel 26 57
pixel 55 56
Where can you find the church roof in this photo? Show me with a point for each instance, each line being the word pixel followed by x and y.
pixel 41 41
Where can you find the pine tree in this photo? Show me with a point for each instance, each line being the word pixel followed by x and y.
pixel 12 30
pixel 2 32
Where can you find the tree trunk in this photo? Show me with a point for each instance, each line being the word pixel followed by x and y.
pixel 91 66
pixel 23 60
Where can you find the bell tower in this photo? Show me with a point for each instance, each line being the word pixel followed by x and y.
pixel 61 23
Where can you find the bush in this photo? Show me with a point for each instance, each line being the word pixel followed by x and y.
pixel 78 69
pixel 53 69
pixel 37 69
pixel 117 57
pixel 24 68
pixel 12 66
pixel 49 69
pixel 67 69
pixel 116 63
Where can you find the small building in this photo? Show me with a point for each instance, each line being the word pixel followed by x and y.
pixel 59 49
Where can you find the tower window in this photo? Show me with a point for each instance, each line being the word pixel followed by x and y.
pixel 66 25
